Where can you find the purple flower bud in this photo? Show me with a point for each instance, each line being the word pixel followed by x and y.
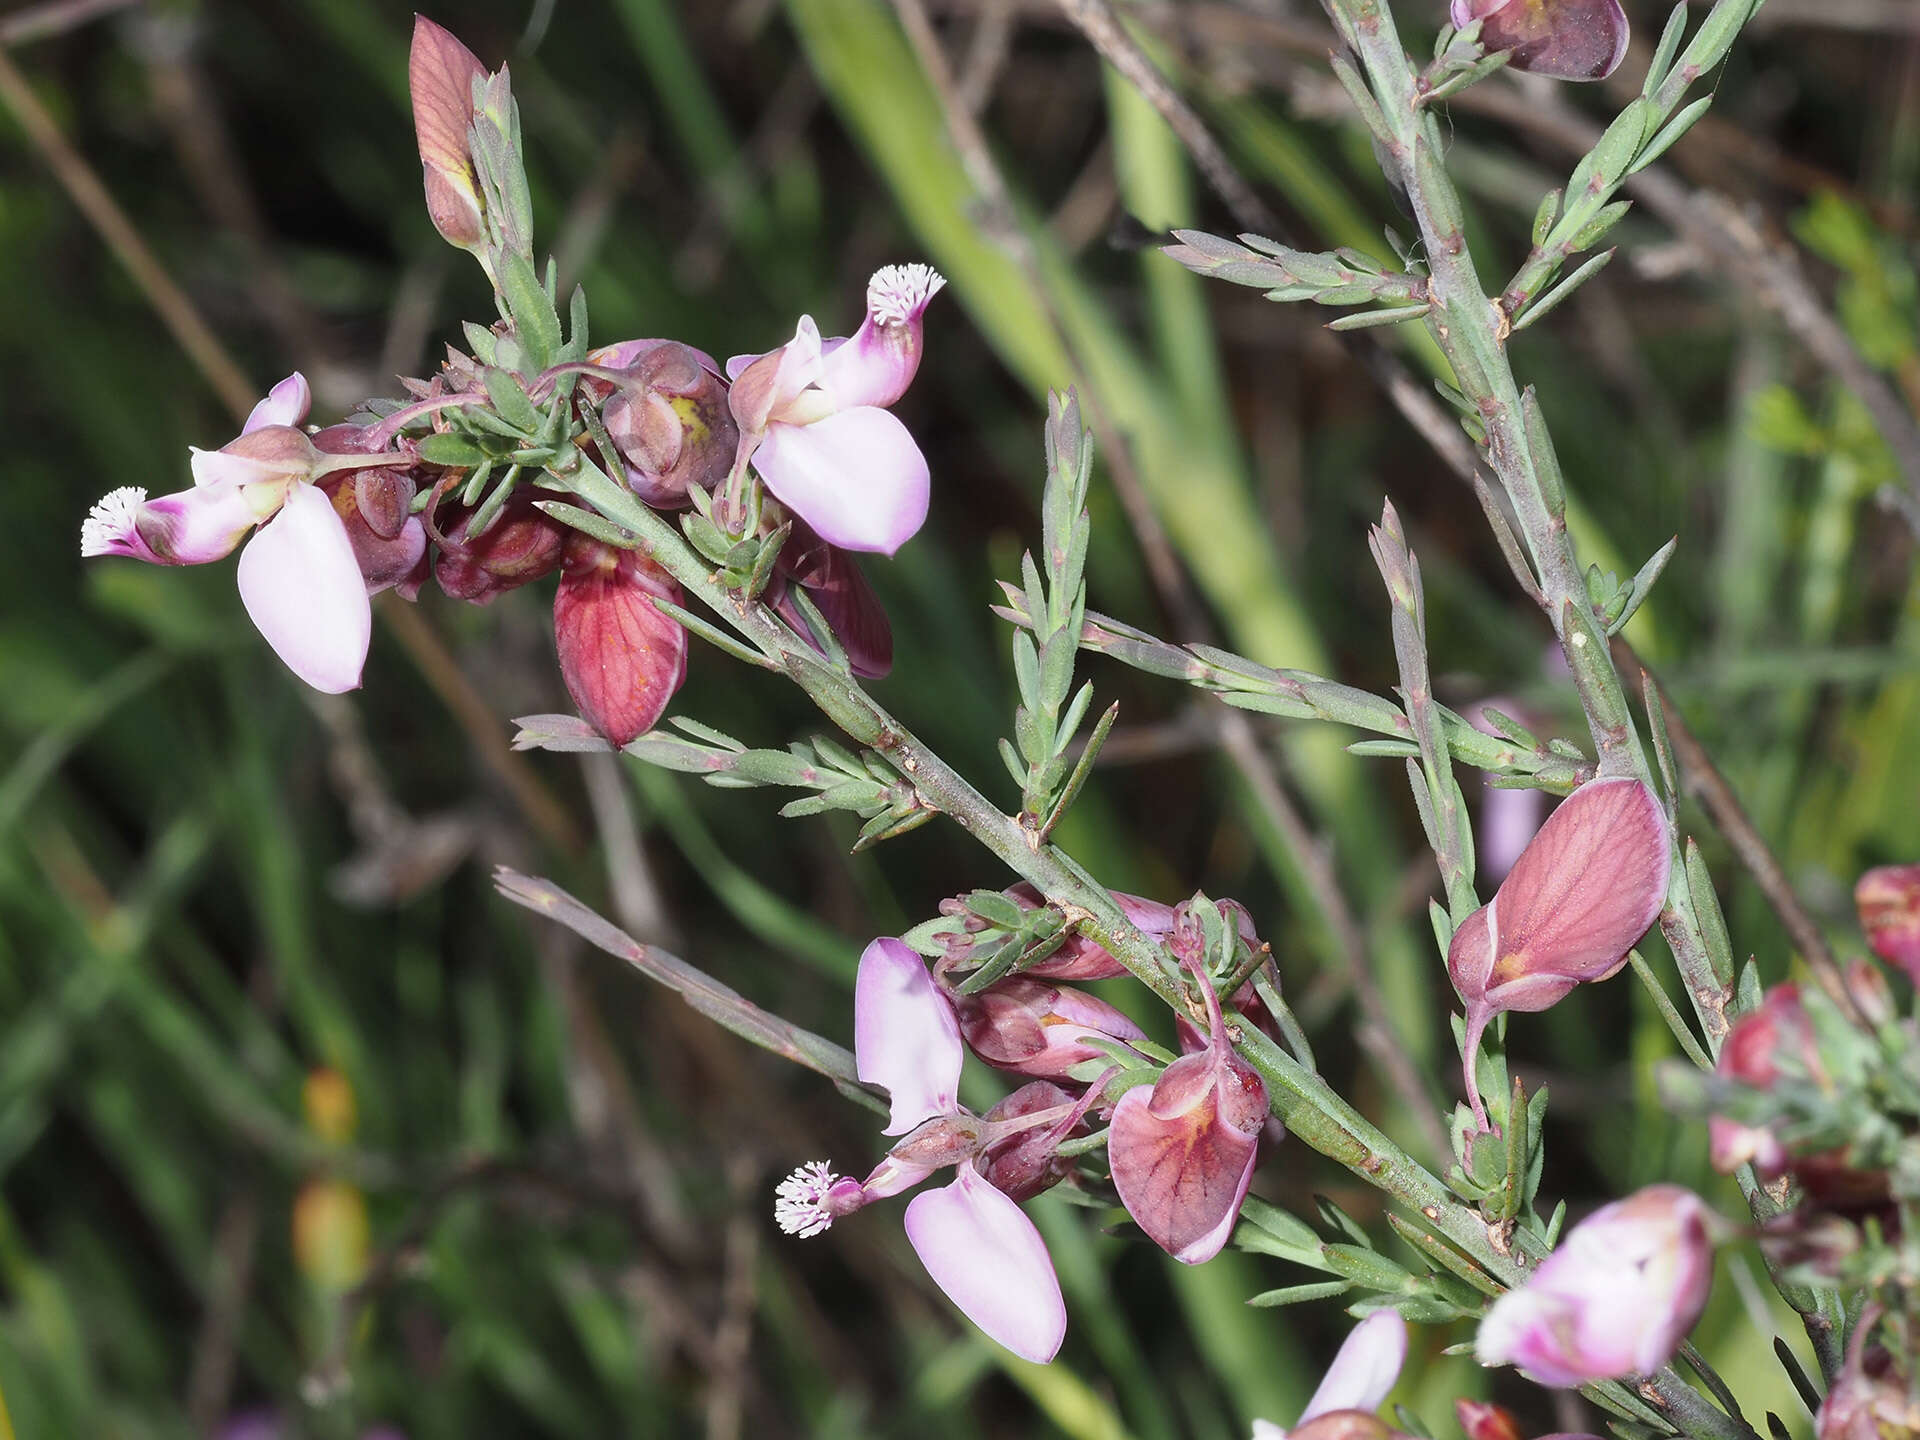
pixel 1889 902
pixel 1616 1299
pixel 522 544
pixel 1079 958
pixel 1582 892
pixel 621 656
pixel 376 506
pixel 440 75
pixel 1562 39
pixel 671 422
pixel 1033 1028
pixel 1028 1162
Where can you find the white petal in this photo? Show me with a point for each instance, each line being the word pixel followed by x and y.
pixel 1366 1368
pixel 904 1035
pixel 983 1251
pixel 305 594
pixel 286 404
pixel 856 477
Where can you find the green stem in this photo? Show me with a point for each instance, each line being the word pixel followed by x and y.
pixel 1472 329
pixel 841 699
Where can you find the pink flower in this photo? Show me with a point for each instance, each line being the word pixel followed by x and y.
pixel 299 579
pixel 1563 39
pixel 1357 1382
pixel 1616 1299
pixel 974 1240
pixel 1888 898
pixel 812 415
pixel 1580 895
pixel 1184 1149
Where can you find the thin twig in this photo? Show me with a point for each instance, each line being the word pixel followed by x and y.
pixel 129 247
pixel 1704 781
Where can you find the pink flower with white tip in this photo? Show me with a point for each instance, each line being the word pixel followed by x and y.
pixel 299 579
pixel 813 418
pixel 975 1241
pixel 1355 1385
pixel 1615 1299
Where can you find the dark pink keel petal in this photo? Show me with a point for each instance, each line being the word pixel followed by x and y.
pixel 1586 889
pixel 982 1250
pixel 621 656
pixel 1183 1152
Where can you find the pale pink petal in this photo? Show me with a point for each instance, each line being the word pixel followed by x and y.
pixel 904 1035
pixel 187 528
pixel 1465 12
pixel 1587 887
pixel 983 1251
pixel 767 386
pixel 1365 1369
pixel 856 477
pixel 304 592
pixel 286 404
pixel 877 364
pixel 218 467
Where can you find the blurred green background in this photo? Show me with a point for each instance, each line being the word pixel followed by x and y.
pixel 526 1195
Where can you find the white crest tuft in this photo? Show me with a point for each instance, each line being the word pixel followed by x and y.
pixel 800 1203
pixel 899 293
pixel 110 523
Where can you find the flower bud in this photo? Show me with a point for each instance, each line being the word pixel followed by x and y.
pixel 621 656
pixel 1486 1422
pixel 1871 1397
pixel 670 422
pixel 1079 958
pixel 1888 898
pixel 440 74
pixel 1758 1044
pixel 1562 39
pixel 1033 1028
pixel 376 506
pixel 522 544
pixel 839 591
pixel 1581 893
pixel 1028 1163
pixel 1617 1297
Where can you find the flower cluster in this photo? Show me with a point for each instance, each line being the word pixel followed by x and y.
pixel 1181 1144
pixel 391 499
